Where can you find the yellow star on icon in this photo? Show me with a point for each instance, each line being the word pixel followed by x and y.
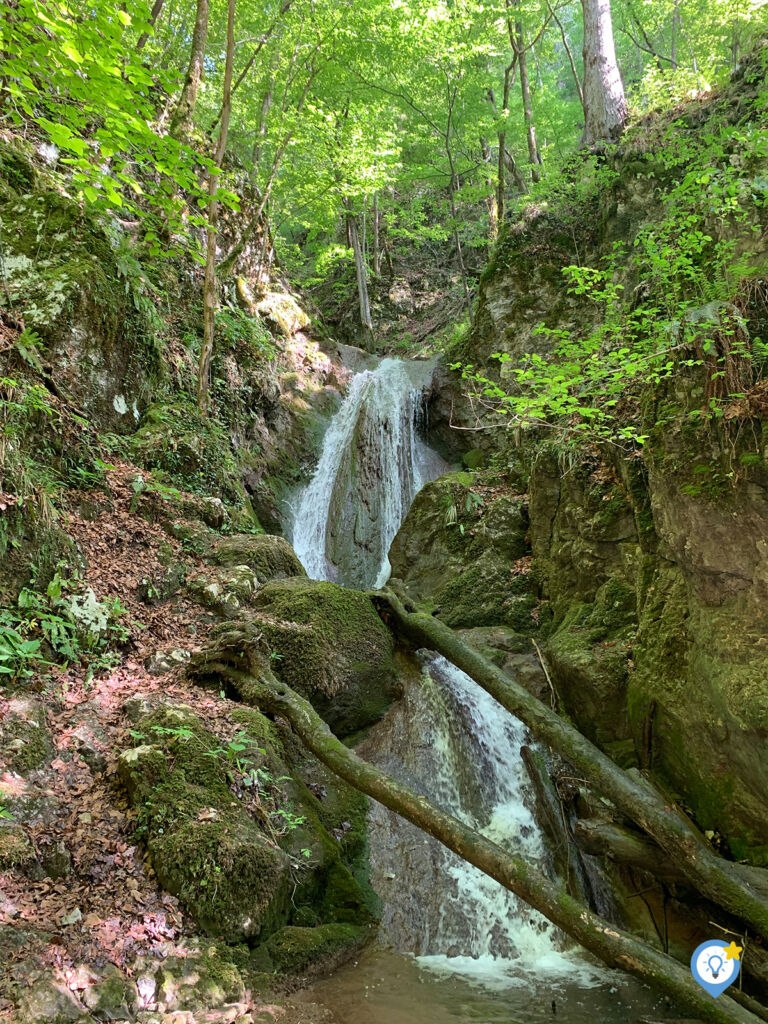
pixel 733 952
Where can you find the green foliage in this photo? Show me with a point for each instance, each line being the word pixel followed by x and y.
pixel 235 328
pixel 680 316
pixel 67 621
pixel 72 71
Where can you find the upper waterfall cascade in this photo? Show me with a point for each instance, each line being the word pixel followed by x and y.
pixel 372 465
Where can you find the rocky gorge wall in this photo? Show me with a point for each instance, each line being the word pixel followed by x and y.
pixel 639 571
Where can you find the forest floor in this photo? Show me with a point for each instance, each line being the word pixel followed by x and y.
pixel 106 906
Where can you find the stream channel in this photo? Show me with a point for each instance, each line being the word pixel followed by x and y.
pixel 454 947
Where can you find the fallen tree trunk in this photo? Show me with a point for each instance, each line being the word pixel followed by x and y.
pixel 607 839
pixel 243 666
pixel 726 884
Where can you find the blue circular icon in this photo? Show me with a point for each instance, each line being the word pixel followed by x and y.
pixel 715 965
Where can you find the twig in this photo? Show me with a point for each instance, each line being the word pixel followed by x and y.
pixel 546 674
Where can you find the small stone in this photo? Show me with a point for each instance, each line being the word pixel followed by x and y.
pixel 85 818
pixel 56 860
pixel 136 708
pixel 72 917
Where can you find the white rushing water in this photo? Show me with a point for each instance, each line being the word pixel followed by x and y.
pixel 453 742
pixel 373 463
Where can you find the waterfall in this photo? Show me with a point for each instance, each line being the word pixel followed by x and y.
pixel 446 737
pixel 372 464
pixel 453 742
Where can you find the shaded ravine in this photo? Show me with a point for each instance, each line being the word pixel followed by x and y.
pixel 447 738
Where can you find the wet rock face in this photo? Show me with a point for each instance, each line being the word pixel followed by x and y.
pixel 659 626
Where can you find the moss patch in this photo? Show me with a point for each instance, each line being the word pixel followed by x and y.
pixel 295 950
pixel 269 556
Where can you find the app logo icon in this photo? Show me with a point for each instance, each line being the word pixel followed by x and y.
pixel 715 965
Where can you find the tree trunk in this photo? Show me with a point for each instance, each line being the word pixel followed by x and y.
pixel 493 201
pixel 360 270
pixel 185 108
pixel 255 685
pixel 605 108
pixel 740 891
pixel 569 53
pixel 154 15
pixel 376 251
pixel 210 298
pixel 534 157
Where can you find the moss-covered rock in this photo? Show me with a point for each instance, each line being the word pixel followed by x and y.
pixel 331 646
pixel 589 657
pixel 295 951
pixel 113 997
pixel 270 557
pixel 15 846
pixel 63 275
pixel 204 846
pixel 209 975
pixel 460 550
pixel 24 737
pixel 193 450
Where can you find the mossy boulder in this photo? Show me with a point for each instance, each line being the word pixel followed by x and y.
pixel 459 548
pixel 24 737
pixel 194 451
pixel 113 997
pixel 15 846
pixel 204 846
pixel 270 557
pixel 207 976
pixel 589 657
pixel 63 276
pixel 296 951
pixel 50 1001
pixel 329 644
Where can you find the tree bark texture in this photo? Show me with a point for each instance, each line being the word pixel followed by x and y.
pixel 185 108
pixel 605 108
pixel 210 298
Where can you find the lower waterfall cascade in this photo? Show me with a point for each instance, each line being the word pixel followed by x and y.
pixel 448 739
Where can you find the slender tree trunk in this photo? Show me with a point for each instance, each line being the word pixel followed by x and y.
pixel 740 890
pixel 210 297
pixel 360 269
pixel 252 59
pixel 185 108
pixel 534 157
pixel 256 686
pixel 675 31
pixel 376 252
pixel 493 202
pixel 569 53
pixel 605 108
pixel 154 15
pixel 261 132
pixel 453 184
pixel 457 243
